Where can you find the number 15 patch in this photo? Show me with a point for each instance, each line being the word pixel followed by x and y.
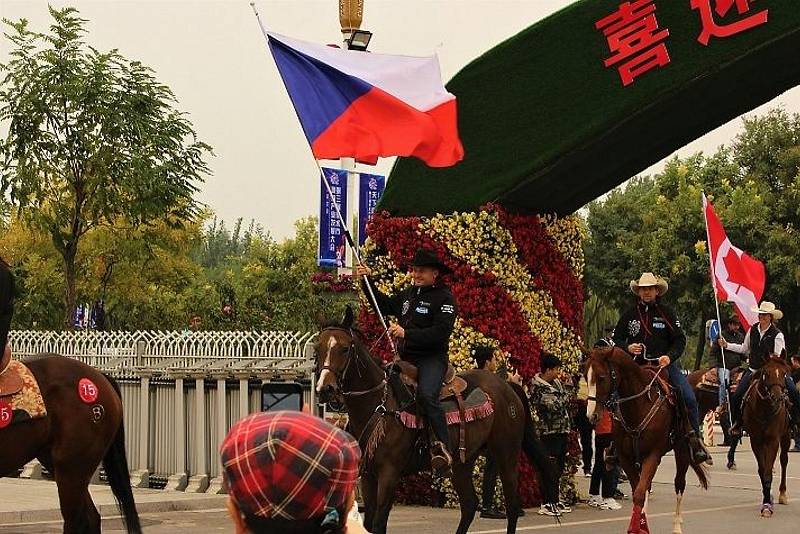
pixel 87 391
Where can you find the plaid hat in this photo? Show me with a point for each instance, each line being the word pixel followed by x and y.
pixel 289 465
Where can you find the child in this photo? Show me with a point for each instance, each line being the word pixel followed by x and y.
pixel 602 440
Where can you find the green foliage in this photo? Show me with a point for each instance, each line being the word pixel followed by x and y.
pixel 93 140
pixel 158 277
pixel 656 224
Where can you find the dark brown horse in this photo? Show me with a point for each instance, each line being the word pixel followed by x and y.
pixel 644 426
pixel 766 419
pixel 72 440
pixel 708 401
pixel 346 368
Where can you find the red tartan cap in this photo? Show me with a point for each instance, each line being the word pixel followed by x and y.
pixel 289 465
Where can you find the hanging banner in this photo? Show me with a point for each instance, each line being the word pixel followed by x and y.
pixel 332 242
pixel 370 189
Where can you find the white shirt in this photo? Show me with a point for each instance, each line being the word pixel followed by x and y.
pixel 744 348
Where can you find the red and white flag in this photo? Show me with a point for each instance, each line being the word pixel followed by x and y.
pixel 737 277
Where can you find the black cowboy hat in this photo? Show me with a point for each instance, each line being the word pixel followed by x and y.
pixel 428 258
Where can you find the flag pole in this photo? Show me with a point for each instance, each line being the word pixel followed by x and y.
pixel 347 235
pixel 726 385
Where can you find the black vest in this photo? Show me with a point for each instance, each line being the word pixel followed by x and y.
pixel 762 348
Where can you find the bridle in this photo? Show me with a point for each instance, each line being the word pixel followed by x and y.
pixel 614 402
pixel 775 401
pixel 352 355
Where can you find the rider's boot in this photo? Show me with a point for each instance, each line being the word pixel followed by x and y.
pixel 440 458
pixel 697 449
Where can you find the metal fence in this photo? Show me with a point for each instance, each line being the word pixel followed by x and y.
pixel 181 391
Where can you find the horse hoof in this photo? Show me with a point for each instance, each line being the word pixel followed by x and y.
pixel 783 499
pixel 766 510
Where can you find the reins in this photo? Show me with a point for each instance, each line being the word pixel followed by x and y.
pixel 614 401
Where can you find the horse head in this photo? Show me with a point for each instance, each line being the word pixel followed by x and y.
pixel 343 362
pixel 773 380
pixel 601 380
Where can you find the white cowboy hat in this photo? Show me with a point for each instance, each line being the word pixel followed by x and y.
pixel 768 307
pixel 650 280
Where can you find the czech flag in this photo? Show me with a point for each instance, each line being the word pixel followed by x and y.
pixel 364 106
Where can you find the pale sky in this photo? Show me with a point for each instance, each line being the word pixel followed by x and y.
pixel 213 56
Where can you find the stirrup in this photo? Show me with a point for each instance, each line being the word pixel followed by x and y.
pixel 440 457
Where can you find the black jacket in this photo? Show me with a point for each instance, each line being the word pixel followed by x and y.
pixel 426 313
pixel 656 326
pixel 6 302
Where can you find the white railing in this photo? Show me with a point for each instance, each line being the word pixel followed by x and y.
pixel 182 391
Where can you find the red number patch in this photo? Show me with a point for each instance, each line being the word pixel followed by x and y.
pixel 87 391
pixel 6 413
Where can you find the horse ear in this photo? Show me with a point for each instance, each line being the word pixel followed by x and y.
pixel 349 317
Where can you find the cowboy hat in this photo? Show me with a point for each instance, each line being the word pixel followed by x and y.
pixel 428 258
pixel 650 280
pixel 768 308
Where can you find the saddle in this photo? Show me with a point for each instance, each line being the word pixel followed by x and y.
pixel 11 381
pixel 710 380
pixel 451 386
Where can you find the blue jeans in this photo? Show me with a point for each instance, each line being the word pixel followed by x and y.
pixel 678 380
pixel 430 375
pixel 724 376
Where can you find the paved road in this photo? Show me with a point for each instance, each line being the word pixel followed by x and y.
pixel 729 507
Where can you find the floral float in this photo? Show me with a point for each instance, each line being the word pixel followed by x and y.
pixel 517 282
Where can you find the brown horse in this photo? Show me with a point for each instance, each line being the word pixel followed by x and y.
pixel 73 439
pixel 766 419
pixel 708 401
pixel 347 369
pixel 644 427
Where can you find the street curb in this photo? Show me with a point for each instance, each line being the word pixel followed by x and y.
pixel 111 510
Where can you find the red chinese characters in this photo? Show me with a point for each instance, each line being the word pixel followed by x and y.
pixel 634 39
pixel 712 29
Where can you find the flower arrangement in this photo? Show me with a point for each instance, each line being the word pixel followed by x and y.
pixel 328 282
pixel 517 282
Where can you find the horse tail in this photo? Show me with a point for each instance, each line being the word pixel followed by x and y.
pixel 701 470
pixel 535 451
pixel 115 464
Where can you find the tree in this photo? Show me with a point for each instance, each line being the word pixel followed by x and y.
pixel 655 224
pixel 93 139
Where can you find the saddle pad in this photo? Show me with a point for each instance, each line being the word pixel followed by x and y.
pixel 24 405
pixel 477 406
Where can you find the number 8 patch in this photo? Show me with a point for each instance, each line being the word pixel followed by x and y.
pixel 87 391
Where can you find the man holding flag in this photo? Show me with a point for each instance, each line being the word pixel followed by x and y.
pixel 762 342
pixel 740 279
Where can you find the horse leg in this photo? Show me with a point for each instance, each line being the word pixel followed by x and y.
pixel 649 466
pixel 73 497
pixel 509 476
pixel 765 475
pixel 369 492
pixel 388 479
pixel 785 442
pixel 681 467
pixel 467 499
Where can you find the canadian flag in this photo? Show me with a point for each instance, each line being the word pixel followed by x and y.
pixel 737 277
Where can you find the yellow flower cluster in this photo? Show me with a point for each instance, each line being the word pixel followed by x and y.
pixel 567 235
pixel 462 341
pixel 481 241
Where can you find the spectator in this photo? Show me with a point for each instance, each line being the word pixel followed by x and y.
pixel 551 402
pixel 601 476
pixel 290 473
pixel 732 334
pixel 796 378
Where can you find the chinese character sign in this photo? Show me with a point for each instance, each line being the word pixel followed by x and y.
pixel 332 241
pixel 634 39
pixel 713 28
pixel 369 192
